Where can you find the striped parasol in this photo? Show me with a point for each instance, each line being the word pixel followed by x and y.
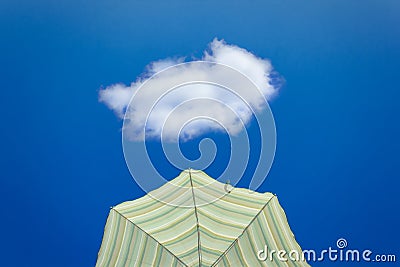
pixel 228 231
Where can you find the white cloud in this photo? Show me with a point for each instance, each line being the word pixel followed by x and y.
pixel 174 109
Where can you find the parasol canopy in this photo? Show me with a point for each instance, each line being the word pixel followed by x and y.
pixel 228 231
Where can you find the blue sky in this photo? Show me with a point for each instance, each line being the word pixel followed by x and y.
pixel 336 165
